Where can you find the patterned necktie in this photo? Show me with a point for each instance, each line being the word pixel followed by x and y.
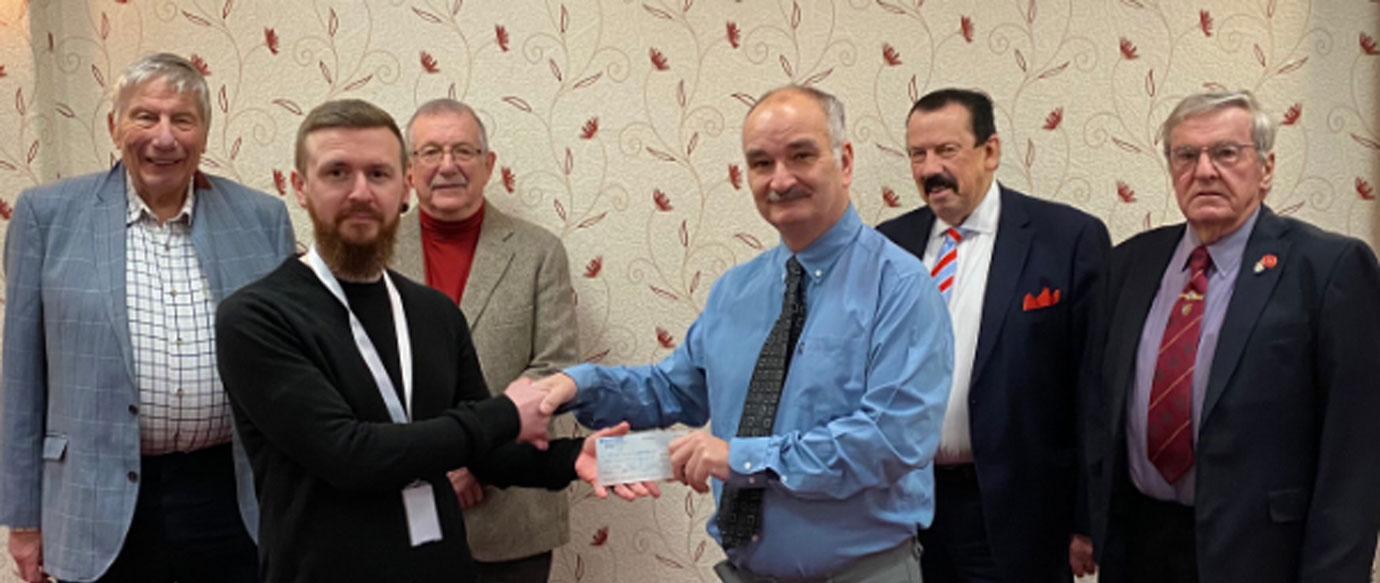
pixel 740 511
pixel 947 266
pixel 1169 427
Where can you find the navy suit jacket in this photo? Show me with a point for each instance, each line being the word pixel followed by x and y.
pixel 1288 481
pixel 1022 393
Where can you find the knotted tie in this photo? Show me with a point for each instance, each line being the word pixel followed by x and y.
pixel 947 266
pixel 740 510
pixel 1169 427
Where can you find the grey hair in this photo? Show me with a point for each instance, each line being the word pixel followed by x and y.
pixel 1262 127
pixel 447 105
pixel 831 105
pixel 177 72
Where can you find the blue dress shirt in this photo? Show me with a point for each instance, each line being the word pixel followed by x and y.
pixel 847 471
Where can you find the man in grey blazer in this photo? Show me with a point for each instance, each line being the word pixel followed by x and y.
pixel 117 460
pixel 512 282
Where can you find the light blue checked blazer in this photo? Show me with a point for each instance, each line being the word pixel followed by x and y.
pixel 69 435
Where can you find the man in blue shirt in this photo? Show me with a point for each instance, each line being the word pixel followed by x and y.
pixel 843 474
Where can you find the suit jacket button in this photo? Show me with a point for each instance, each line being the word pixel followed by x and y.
pixel 133 409
pixel 133 476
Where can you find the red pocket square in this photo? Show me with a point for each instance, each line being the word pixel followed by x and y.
pixel 1046 299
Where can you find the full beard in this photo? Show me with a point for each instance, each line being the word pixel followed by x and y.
pixel 348 259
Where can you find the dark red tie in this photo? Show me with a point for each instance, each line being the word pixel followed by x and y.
pixel 1169 428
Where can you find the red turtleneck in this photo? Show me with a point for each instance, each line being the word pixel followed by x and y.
pixel 448 249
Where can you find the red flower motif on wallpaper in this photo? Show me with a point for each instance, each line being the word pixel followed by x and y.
pixel 890 55
pixel 1205 22
pixel 1054 118
pixel 2 71
pixel 271 39
pixel 200 65
pixel 501 35
pixel 658 59
pixel 280 182
pixel 1363 189
pixel 1368 45
pixel 509 179
pixel 1124 191
pixel 965 26
pixel 1128 50
pixel 1291 115
pixel 590 128
pixel 735 176
pixel 663 202
pixel 429 63
pixel 594 266
pixel 601 536
pixel 734 36
pixel 889 197
pixel 664 338
pixel 6 211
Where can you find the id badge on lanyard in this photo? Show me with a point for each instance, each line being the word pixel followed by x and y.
pixel 419 501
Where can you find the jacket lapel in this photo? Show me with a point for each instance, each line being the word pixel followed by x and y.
pixel 1249 298
pixel 108 247
pixel 1009 253
pixel 211 216
pixel 407 257
pixel 492 255
pixel 1130 308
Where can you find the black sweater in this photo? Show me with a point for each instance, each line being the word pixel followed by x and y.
pixel 329 465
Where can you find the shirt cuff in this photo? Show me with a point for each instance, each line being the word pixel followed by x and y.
pixel 749 460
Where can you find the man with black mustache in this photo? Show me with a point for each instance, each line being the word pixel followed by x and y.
pixel 1017 273
pixel 511 279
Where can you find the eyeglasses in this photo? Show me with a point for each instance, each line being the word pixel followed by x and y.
pixel 1223 155
pixel 433 155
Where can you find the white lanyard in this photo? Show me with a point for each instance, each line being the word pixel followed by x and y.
pixel 366 347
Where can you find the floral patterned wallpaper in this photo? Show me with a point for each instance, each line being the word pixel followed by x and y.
pixel 616 124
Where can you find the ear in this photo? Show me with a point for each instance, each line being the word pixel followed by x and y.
pixel 846 164
pixel 298 183
pixel 1267 178
pixel 489 159
pixel 992 152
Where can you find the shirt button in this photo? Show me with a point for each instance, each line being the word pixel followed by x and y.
pixel 133 409
pixel 133 476
pixel 747 465
pixel 756 537
pixel 179 342
pixel 179 392
pixel 752 480
pixel 819 273
pixel 173 293
pixel 783 479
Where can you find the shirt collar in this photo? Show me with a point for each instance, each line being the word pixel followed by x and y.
pixel 136 208
pixel 983 219
pixel 821 254
pixel 1225 252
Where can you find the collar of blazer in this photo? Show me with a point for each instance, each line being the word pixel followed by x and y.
pixel 493 253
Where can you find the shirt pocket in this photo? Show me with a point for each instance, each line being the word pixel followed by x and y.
pixel 828 376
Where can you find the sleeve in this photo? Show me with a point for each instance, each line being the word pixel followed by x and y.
pixel 1090 257
pixel 555 334
pixel 1344 514
pixel 893 432
pixel 23 398
pixel 648 396
pixel 281 393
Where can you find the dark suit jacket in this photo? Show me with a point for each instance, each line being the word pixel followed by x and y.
pixel 1288 481
pixel 1021 398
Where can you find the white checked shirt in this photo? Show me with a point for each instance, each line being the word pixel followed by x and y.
pixel 171 317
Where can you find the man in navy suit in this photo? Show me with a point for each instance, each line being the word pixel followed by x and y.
pixel 117 456
pixel 1018 273
pixel 1231 386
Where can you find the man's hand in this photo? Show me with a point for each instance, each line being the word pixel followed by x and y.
pixel 27 550
pixel 587 467
pixel 698 455
pixel 1081 556
pixel 560 388
pixel 467 488
pixel 527 396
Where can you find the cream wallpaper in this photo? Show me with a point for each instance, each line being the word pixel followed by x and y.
pixel 616 124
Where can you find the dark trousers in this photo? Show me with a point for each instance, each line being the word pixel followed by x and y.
pixel 1159 541
pixel 533 569
pixel 956 546
pixel 186 526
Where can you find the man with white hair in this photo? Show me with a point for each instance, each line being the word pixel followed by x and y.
pixel 824 364
pixel 1232 401
pixel 118 461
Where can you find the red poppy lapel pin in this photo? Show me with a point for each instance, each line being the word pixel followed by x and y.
pixel 1267 261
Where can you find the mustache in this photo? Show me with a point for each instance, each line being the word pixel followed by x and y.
pixel 462 183
pixel 935 182
pixel 791 193
pixel 359 208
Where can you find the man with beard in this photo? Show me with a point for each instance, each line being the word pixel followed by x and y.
pixel 117 453
pixel 511 280
pixel 824 364
pixel 1017 273
pixel 356 390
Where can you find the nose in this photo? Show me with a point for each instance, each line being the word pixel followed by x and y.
pixel 163 136
pixel 360 191
pixel 928 167
pixel 782 179
pixel 1203 167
